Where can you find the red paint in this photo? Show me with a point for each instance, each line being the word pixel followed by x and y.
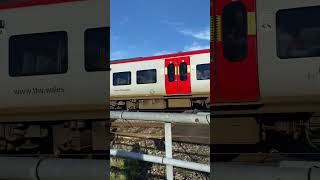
pixel 171 87
pixel 236 82
pixel 212 70
pixel 184 86
pixel 11 5
pixel 162 56
pixel 177 86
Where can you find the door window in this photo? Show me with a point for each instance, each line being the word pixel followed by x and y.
pixel 171 73
pixel 234 30
pixel 183 71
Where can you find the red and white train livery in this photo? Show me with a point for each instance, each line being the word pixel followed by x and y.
pixel 180 80
pixel 53 74
pixel 266 68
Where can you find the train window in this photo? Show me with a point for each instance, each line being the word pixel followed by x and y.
pixel 298 34
pixel 121 78
pixel 234 30
pixel 97 52
pixel 183 71
pixel 38 54
pixel 147 76
pixel 171 73
pixel 203 71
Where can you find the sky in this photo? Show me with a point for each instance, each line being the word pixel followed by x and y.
pixel 141 28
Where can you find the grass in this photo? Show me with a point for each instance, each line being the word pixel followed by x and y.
pixel 125 169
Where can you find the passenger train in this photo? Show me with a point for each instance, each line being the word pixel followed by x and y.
pixel 165 82
pixel 54 93
pixel 265 76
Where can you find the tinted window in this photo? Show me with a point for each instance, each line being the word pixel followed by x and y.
pixel 298 33
pixel 171 73
pixel 183 71
pixel 147 76
pixel 234 30
pixel 121 78
pixel 97 54
pixel 203 71
pixel 38 54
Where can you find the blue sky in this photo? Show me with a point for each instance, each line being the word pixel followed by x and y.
pixel 141 28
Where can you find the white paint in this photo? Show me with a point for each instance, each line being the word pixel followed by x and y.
pixel 80 87
pixel 143 90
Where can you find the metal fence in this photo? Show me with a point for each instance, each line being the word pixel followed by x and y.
pixel 167 118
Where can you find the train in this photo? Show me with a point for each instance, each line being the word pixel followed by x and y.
pixel 54 72
pixel 265 74
pixel 179 81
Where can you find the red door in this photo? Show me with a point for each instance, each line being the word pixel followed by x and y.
pixel 177 75
pixel 236 75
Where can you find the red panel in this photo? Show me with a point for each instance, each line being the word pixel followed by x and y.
pixel 171 87
pixel 184 87
pixel 177 86
pixel 236 81
pixel 11 5
pixel 212 88
pixel 212 82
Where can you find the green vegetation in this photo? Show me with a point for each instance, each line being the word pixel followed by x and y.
pixel 125 169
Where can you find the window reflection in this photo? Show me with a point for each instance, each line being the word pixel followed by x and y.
pixel 298 34
pixel 147 76
pixel 121 78
pixel 203 71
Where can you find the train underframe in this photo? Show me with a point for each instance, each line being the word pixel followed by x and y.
pixel 201 103
pixel 76 138
pixel 294 134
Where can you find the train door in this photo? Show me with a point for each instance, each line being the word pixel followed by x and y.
pixel 289 49
pixel 177 75
pixel 236 72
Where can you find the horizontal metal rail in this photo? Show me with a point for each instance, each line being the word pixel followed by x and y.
pixel 27 168
pixel 161 160
pixel 167 118
pixel 199 118
pixel 231 172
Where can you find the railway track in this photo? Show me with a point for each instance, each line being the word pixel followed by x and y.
pixel 148 138
pixel 188 133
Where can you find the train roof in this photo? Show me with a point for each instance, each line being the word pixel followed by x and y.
pixel 27 3
pixel 119 61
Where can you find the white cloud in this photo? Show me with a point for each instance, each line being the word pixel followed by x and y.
pixel 195 46
pixel 118 55
pixel 162 53
pixel 203 35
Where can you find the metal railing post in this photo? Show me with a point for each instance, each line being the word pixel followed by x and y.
pixel 168 144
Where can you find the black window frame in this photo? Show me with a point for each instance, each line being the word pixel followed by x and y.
pixel 183 77
pixel 155 71
pixel 13 53
pixel 197 66
pixel 113 78
pixel 86 49
pixel 235 51
pixel 294 27
pixel 174 73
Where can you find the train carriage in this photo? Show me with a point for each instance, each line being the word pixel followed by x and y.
pixel 54 62
pixel 265 83
pixel 170 81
